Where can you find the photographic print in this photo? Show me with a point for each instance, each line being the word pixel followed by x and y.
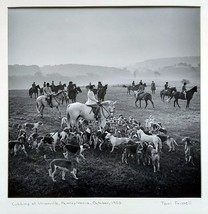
pixel 104 102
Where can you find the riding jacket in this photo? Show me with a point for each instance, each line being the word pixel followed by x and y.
pixel 183 89
pixel 91 98
pixel 47 90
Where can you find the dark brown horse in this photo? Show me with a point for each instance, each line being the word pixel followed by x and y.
pixel 134 88
pixel 144 96
pixel 101 93
pixel 57 88
pixel 34 91
pixel 167 92
pixel 189 94
pixel 72 95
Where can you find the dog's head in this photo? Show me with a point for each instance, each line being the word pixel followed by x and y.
pixel 40 123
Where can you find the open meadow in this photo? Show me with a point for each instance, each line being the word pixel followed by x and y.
pixel 103 174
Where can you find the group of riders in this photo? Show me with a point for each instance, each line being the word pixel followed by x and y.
pixel 48 91
pixel 141 88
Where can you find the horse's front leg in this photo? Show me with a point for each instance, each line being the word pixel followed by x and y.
pixel 57 107
pixel 187 104
pixel 136 103
pixel 146 103
pixel 177 103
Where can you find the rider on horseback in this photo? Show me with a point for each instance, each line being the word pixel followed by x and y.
pixel 100 86
pixel 184 90
pixel 93 102
pixel 48 92
pixel 70 87
pixel 33 85
pixel 52 86
pixel 140 89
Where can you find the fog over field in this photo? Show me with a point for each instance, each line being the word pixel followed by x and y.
pixel 112 45
pixel 159 70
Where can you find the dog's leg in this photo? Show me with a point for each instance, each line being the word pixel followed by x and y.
pixel 23 149
pixel 63 174
pixel 53 174
pixel 73 172
pixel 112 148
pixel 154 166
pixel 158 164
pixel 54 146
pixel 101 145
pixel 81 155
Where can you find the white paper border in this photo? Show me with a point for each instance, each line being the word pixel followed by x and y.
pixel 132 205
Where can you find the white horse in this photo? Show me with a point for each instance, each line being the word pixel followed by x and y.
pixel 56 100
pixel 76 110
pixel 150 139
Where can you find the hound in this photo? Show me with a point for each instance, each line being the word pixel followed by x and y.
pixel 64 122
pixel 188 150
pixel 33 126
pixel 74 149
pixel 150 138
pixel 16 145
pixel 115 141
pixel 171 143
pixel 64 165
pixel 50 139
pixel 154 157
pixel 130 150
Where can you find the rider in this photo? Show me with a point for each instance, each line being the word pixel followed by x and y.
pixel 140 83
pixel 93 102
pixel 153 87
pixel 52 86
pixel 184 89
pixel 133 83
pixel 100 86
pixel 48 92
pixel 140 89
pixel 33 85
pixel 166 86
pixel 44 84
pixel 70 87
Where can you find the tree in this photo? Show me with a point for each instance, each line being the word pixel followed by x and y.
pixel 184 80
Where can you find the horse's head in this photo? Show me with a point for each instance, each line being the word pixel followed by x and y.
pixel 79 89
pixel 195 88
pixel 37 86
pixel 110 107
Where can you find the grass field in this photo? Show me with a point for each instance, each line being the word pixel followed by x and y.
pixel 103 174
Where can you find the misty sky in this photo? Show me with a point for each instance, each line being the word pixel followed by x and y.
pixel 107 36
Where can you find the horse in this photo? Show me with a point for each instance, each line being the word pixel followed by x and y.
pixel 76 110
pixel 179 95
pixel 134 88
pixel 72 95
pixel 101 93
pixel 41 102
pixel 34 91
pixel 57 88
pixel 144 96
pixel 167 92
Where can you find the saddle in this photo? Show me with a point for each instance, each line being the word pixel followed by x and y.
pixel 95 110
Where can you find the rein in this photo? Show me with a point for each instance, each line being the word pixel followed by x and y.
pixel 54 96
pixel 103 108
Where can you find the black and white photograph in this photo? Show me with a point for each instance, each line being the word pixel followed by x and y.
pixel 104 102
pixel 103 106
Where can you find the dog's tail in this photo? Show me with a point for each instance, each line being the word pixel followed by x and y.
pixel 47 160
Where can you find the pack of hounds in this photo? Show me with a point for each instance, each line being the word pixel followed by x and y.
pixel 142 143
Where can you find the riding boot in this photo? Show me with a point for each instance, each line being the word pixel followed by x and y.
pixel 50 101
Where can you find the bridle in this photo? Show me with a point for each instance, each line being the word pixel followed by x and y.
pixel 58 100
pixel 103 108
